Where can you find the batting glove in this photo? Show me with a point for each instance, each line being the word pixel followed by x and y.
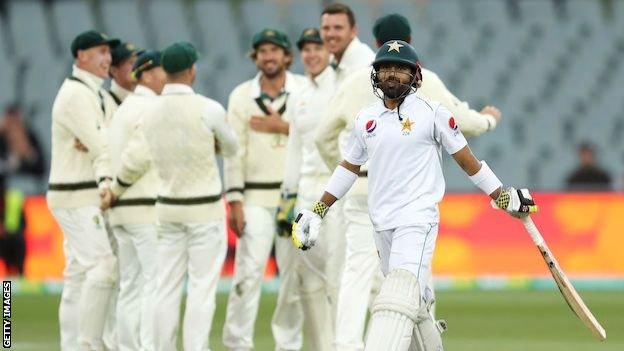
pixel 306 227
pixel 517 202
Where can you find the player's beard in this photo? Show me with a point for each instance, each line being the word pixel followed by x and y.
pixel 394 89
pixel 272 72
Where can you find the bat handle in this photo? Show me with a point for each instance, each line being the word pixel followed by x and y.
pixel 532 230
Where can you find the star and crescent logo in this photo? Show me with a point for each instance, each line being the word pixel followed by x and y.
pixel 406 126
pixel 395 46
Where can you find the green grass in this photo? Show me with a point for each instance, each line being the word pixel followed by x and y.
pixel 501 321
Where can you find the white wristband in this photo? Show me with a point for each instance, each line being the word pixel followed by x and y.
pixel 485 179
pixel 340 182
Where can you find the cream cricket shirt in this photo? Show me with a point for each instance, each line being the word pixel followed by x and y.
pixel 309 106
pixel 405 180
pixel 78 113
pixel 136 204
pixel 178 134
pixel 255 173
pixel 118 93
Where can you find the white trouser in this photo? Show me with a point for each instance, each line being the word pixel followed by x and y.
pixel 361 275
pixel 90 274
pixel 409 248
pixel 137 245
pixel 195 251
pixel 252 251
pixel 110 327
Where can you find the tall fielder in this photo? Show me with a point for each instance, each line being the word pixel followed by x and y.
pixel 361 262
pixel 133 217
pixel 179 135
pixel 253 179
pixel 305 177
pixel 402 137
pixel 76 177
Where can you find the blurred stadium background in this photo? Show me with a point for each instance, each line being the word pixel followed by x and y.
pixel 554 67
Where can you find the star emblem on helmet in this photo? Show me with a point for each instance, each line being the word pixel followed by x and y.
pixel 395 46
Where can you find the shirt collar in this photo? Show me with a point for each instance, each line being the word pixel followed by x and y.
pixel 142 90
pixel 93 81
pixel 118 90
pixel 327 75
pixel 351 56
pixel 176 88
pixel 256 90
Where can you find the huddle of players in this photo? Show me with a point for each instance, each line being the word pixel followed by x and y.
pixel 145 152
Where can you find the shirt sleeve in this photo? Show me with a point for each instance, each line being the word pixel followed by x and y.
pixel 447 132
pixel 356 152
pixel 83 118
pixel 328 131
pixel 215 119
pixel 472 123
pixel 135 161
pixel 292 166
pixel 234 167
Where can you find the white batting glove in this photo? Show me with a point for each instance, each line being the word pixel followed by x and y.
pixel 517 202
pixel 305 229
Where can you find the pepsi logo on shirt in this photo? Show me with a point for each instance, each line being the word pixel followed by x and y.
pixel 371 125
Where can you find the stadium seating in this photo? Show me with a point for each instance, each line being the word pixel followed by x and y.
pixel 553 69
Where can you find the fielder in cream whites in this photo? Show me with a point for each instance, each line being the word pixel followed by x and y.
pixel 133 217
pixel 402 136
pixel 79 112
pixel 179 136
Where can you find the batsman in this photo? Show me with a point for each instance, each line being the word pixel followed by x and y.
pixel 402 137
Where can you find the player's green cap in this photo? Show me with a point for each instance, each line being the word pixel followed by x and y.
pixel 309 35
pixel 124 51
pixel 179 56
pixel 146 61
pixel 89 39
pixel 392 27
pixel 270 35
pixel 396 51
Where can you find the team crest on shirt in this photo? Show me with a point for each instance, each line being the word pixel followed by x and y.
pixel 406 126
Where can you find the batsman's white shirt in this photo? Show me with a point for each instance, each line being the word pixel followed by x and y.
pixel 405 179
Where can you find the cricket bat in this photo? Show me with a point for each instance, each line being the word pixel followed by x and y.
pixel 563 283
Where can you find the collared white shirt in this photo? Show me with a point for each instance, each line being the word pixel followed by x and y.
pixel 356 56
pixel 309 106
pixel 119 92
pixel 405 159
pixel 94 82
pixel 177 88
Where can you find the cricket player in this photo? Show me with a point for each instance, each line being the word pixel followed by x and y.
pixel 253 179
pixel 133 217
pixel 76 179
pixel 361 262
pixel 305 177
pixel 402 137
pixel 179 134
pixel 339 32
pixel 123 83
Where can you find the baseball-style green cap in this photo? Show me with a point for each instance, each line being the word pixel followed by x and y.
pixel 146 61
pixel 309 35
pixel 392 27
pixel 269 35
pixel 123 51
pixel 179 56
pixel 89 39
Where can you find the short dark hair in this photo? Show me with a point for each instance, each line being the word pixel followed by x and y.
pixel 337 8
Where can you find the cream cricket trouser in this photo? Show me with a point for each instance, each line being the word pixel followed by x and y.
pixel 194 251
pixel 110 327
pixel 89 276
pixel 137 245
pixel 360 268
pixel 409 248
pixel 252 251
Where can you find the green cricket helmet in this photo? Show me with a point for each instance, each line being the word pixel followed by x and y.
pixel 400 53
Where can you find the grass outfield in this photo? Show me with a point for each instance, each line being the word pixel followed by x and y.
pixel 478 320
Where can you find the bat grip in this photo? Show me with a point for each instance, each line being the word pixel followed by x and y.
pixel 532 230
